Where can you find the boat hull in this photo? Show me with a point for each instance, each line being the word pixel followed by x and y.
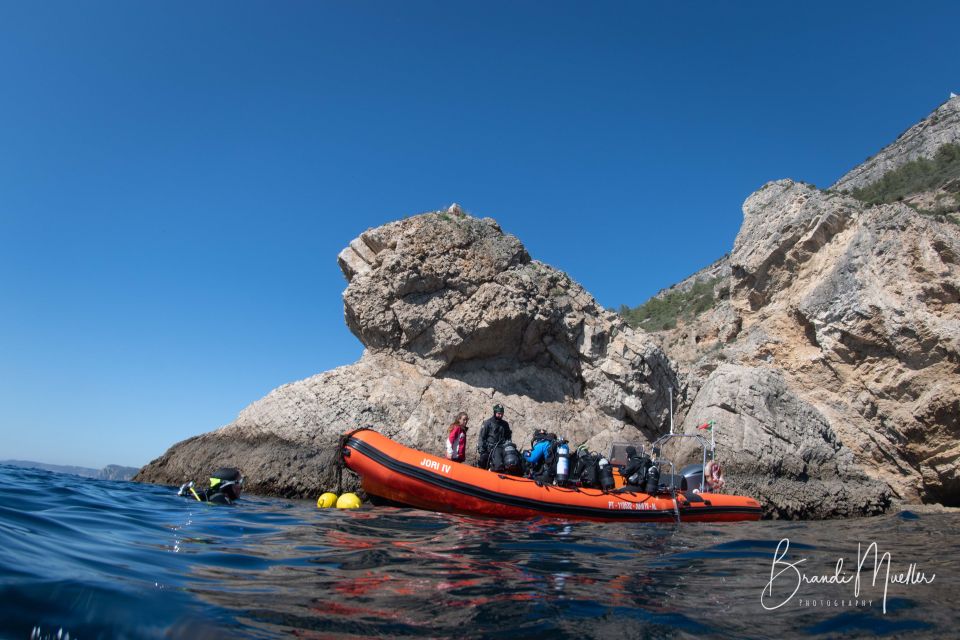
pixel 406 476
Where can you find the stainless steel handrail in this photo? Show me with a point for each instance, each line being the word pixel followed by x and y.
pixel 657 446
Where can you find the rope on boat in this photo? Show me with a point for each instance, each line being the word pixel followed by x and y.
pixel 338 465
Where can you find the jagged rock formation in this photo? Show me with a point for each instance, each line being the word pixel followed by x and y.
pixel 921 168
pixel 719 270
pixel 831 362
pixel 842 319
pixel 460 299
pixel 919 141
pixel 780 448
pixel 455 316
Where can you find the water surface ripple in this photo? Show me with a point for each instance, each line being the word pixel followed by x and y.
pixel 100 559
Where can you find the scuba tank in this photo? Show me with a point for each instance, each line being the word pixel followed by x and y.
pixel 511 458
pixel 653 479
pixel 563 462
pixel 606 474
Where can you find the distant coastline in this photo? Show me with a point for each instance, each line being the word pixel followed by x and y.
pixel 109 472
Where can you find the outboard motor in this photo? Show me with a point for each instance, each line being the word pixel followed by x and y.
pixel 511 459
pixel 606 475
pixel 563 463
pixel 653 479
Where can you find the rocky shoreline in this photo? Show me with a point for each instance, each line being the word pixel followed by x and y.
pixel 830 361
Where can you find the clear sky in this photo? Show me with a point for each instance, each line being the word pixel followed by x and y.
pixel 177 178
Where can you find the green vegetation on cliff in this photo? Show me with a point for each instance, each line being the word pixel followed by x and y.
pixel 916 176
pixel 657 314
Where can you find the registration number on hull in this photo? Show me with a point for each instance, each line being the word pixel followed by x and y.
pixel 615 505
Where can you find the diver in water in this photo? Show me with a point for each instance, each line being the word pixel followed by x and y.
pixel 226 485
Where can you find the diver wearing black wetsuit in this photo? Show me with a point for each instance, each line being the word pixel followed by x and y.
pixel 226 485
pixel 494 432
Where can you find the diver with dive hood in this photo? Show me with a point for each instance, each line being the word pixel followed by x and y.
pixel 226 485
pixel 493 434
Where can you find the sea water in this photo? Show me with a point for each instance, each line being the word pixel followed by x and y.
pixel 84 558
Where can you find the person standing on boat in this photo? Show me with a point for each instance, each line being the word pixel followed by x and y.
pixel 457 438
pixel 494 432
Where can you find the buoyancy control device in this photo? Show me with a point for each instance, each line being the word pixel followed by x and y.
pixel 549 469
pixel 511 459
pixel 605 474
pixel 586 469
pixel 635 470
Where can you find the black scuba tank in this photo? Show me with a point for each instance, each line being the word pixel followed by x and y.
pixel 653 479
pixel 511 458
pixel 606 475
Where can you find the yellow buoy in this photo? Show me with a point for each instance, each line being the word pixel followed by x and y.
pixel 348 501
pixel 327 500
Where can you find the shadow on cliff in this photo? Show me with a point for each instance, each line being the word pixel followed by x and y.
pixel 502 374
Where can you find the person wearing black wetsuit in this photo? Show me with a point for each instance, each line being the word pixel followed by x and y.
pixel 494 432
pixel 226 485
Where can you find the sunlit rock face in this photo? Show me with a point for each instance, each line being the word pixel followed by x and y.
pixel 830 363
pixel 850 316
pixel 454 315
pixel 922 140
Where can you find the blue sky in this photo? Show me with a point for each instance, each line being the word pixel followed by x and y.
pixel 177 178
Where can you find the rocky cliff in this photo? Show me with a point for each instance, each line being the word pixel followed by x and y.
pixel 922 140
pixel 830 362
pixel 921 168
pixel 454 315
pixel 836 343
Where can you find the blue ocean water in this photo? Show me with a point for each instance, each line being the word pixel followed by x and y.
pixel 84 558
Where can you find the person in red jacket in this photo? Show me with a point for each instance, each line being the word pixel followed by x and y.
pixel 457 438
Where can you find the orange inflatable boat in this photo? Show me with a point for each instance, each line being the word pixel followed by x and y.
pixel 406 476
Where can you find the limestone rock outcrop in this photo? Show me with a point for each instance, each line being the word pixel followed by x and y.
pixel 780 448
pixel 831 359
pixel 919 141
pixel 849 316
pixel 455 316
pixel 458 298
pixel 830 362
